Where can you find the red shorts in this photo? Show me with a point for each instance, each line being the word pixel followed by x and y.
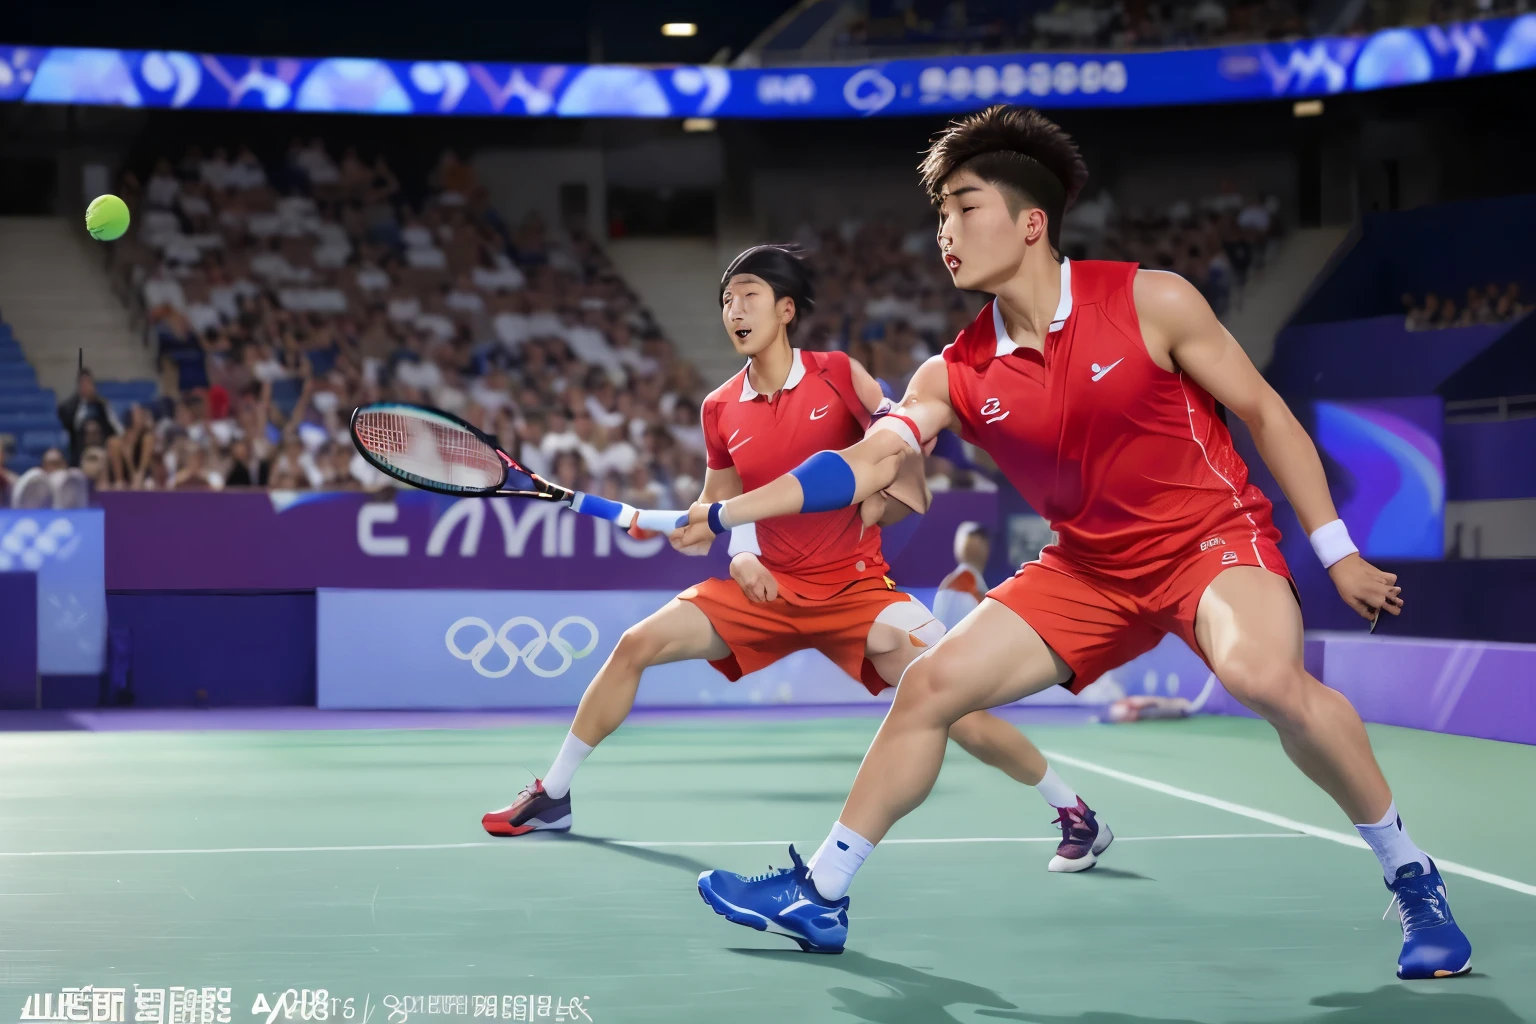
pixel 1097 623
pixel 760 634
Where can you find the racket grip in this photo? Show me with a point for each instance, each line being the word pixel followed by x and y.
pixel 661 521
pixel 625 515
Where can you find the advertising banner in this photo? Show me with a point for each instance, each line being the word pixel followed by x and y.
pixel 65 550
pixel 301 541
pixel 472 649
pixel 1217 74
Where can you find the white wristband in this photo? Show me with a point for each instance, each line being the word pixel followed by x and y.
pixel 744 538
pixel 1331 542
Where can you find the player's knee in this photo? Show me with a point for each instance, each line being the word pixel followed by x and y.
pixel 926 688
pixel 638 647
pixel 1274 688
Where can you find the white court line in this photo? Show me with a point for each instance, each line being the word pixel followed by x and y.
pixel 555 844
pixel 1448 867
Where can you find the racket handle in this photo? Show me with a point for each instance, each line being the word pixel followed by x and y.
pixel 660 521
pixel 625 515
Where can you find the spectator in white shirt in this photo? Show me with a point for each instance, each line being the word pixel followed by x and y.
pixel 496 273
pixel 464 298
pixel 215 170
pixel 163 290
pixel 963 589
pixel 162 188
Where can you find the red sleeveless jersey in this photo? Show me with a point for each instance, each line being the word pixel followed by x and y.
pixel 763 437
pixel 1127 461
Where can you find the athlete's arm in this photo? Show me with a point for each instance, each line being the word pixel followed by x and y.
pixel 865 386
pixel 1182 332
pixel 910 491
pixel 829 480
pixel 719 484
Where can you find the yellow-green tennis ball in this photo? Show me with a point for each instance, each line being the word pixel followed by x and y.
pixel 106 218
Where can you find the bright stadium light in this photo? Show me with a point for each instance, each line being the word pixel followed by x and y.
pixel 679 28
pixel 698 124
pixel 1307 108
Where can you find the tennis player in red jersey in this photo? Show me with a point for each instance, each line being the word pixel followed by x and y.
pixel 1094 387
pixel 801 582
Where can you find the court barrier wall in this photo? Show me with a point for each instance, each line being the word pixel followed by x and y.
pixel 1487 690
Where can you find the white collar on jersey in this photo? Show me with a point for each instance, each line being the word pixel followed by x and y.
pixel 1006 344
pixel 796 374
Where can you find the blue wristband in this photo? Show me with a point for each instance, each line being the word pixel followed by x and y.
pixel 826 481
pixel 714 518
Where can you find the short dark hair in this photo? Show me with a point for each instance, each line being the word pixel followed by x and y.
pixel 784 271
pixel 1026 155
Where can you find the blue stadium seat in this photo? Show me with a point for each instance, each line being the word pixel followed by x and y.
pixel 42 440
pixel 20 462
pixel 30 401
pixel 17 371
pixel 19 423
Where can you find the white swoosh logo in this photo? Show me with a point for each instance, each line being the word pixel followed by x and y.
pixel 1004 416
pixel 1100 371
pixel 817 414
pixel 732 449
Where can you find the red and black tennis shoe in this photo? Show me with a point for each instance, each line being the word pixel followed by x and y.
pixel 533 811
pixel 1083 838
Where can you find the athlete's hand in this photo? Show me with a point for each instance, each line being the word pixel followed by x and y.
pixel 872 509
pixel 754 578
pixel 696 537
pixel 1366 588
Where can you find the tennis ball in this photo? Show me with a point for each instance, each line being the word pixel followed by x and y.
pixel 106 218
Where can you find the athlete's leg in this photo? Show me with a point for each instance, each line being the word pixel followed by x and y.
pixel 981 734
pixel 1249 627
pixel 678 632
pixel 893 645
pixel 992 657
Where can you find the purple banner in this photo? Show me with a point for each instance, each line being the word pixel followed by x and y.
pixel 289 541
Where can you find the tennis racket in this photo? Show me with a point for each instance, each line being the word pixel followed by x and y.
pixel 437 451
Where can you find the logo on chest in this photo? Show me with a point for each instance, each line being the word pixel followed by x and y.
pixel 992 411
pixel 1100 371
pixel 817 414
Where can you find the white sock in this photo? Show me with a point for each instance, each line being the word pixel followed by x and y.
pixel 557 782
pixel 1389 841
pixel 836 861
pixel 1056 792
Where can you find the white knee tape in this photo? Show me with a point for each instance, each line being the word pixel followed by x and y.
pixel 913 617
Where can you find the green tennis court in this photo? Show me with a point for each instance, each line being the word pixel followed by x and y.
pixel 353 861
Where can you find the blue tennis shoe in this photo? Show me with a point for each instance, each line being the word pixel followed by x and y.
pixel 1433 945
pixel 782 901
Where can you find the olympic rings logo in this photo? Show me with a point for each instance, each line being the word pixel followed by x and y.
pixel 528 654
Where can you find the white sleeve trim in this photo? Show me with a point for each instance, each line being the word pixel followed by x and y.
pixel 900 428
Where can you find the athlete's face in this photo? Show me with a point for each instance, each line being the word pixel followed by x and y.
pixel 981 243
pixel 753 318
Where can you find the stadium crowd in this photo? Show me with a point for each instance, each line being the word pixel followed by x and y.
pixel 1001 25
pixel 1492 304
pixel 278 298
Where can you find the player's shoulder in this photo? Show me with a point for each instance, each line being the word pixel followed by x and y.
pixel 1095 281
pixel 1163 297
pixel 728 392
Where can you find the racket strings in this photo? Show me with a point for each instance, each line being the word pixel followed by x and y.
pixel 429 449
